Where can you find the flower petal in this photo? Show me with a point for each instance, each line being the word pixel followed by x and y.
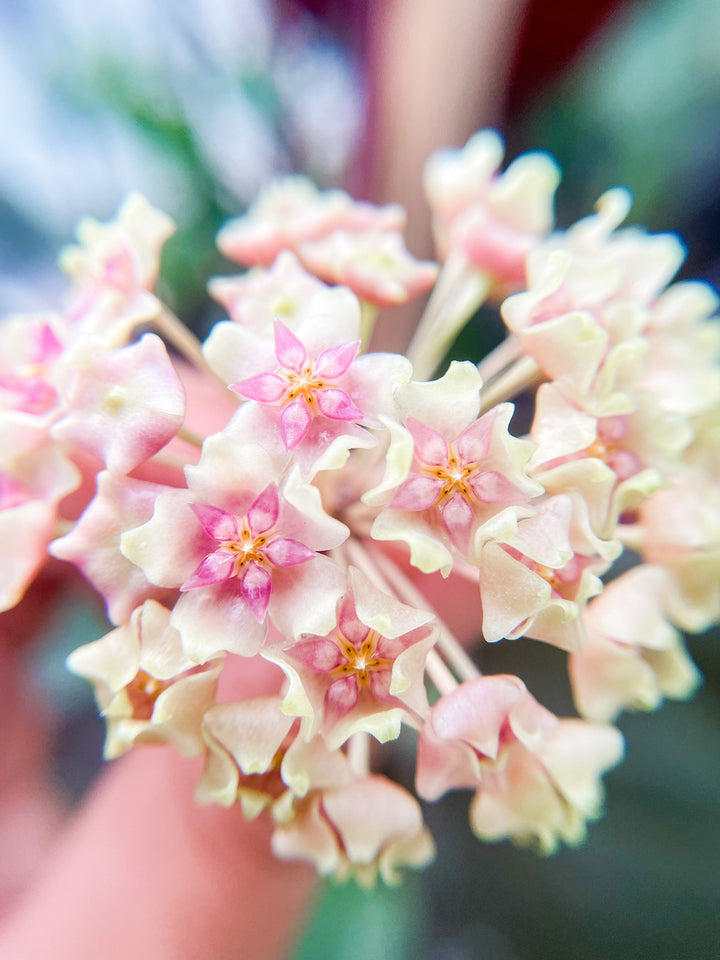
pixel 334 362
pixel 256 587
pixel 320 654
pixel 295 423
pixel 214 568
pixel 337 405
pixel 417 493
pixel 289 350
pixel 285 552
pixel 217 523
pixel 341 697
pixel 458 516
pixel 474 443
pixel 263 512
pixel 266 387
pixel 430 446
pixel 493 487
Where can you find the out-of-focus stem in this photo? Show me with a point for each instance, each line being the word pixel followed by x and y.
pixel 460 290
pixel 439 673
pixel 368 315
pixel 359 753
pixel 521 375
pixel 500 358
pixel 185 341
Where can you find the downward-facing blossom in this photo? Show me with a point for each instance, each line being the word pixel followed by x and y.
pixel 258 758
pixel 333 831
pixel 537 573
pixel 492 219
pixel 633 656
pixel 537 778
pixel 146 687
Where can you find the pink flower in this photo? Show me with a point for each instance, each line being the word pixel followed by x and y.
pixel 365 674
pixel 246 549
pixel 450 478
pixel 369 827
pixel 537 777
pixel 375 265
pixel 305 388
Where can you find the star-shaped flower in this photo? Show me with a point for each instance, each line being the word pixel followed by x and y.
pixel 303 386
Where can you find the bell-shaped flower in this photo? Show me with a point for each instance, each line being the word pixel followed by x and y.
pixel 545 793
pixel 256 757
pixel 633 657
pixel 537 573
pixel 291 211
pixel 364 674
pixel 93 544
pixel 375 265
pixel 367 828
pixel 146 688
pixel 493 219
pixel 536 777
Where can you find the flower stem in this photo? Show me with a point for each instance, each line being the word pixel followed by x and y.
pixel 521 375
pixel 452 649
pixel 185 341
pixel 439 673
pixel 460 290
pixel 359 753
pixel 500 358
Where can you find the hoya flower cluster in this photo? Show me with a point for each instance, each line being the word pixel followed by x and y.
pixel 281 493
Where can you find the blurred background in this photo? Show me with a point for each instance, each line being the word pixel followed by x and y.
pixel 197 105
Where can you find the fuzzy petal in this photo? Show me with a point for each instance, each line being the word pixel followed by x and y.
pixel 266 388
pixel 337 405
pixel 285 552
pixel 289 350
pixel 295 423
pixel 417 493
pixel 264 510
pixel 334 362
pixel 430 446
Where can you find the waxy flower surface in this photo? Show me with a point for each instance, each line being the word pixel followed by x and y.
pixel 283 492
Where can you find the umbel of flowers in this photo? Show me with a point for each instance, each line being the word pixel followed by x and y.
pixel 281 493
